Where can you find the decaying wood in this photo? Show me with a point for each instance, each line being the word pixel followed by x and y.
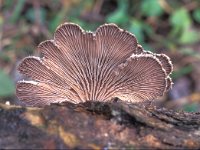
pixel 97 125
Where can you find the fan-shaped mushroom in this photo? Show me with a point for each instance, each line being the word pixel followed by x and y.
pixel 79 66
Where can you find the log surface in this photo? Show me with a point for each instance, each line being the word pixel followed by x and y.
pixel 97 125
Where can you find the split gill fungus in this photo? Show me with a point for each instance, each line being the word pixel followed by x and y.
pixel 79 66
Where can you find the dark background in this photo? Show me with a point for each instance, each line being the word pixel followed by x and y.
pixel 162 26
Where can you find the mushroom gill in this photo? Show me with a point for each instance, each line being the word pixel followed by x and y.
pixel 79 66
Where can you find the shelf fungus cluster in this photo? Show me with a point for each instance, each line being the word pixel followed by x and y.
pixel 79 66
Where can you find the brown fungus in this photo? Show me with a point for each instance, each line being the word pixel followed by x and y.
pixel 79 66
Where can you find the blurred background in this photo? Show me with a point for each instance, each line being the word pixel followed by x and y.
pixel 162 26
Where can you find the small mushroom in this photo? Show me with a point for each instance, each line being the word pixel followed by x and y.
pixel 79 66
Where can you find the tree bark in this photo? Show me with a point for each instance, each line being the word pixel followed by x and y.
pixel 97 126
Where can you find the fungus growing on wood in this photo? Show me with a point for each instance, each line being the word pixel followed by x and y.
pixel 79 66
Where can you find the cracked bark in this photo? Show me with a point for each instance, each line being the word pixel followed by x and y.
pixel 97 125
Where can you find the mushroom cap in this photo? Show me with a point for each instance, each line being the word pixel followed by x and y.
pixel 79 66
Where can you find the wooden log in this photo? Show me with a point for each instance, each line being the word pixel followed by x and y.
pixel 97 126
